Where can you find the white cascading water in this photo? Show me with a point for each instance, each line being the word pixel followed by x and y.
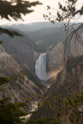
pixel 40 67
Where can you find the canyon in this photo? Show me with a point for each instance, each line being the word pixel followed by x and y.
pixel 39 70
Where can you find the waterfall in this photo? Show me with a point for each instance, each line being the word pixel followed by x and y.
pixel 40 67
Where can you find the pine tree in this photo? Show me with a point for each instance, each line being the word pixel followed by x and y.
pixel 10 113
pixel 15 9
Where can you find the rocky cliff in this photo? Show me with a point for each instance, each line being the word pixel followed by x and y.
pixel 68 83
pixel 55 57
pixel 20 87
pixel 55 62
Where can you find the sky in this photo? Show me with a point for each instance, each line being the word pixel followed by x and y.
pixel 37 15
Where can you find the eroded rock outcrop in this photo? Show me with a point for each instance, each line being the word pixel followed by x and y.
pixel 20 87
pixel 68 83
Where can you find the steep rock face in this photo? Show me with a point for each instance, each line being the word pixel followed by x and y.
pixel 8 66
pixel 55 60
pixel 20 87
pixel 22 50
pixel 68 83
pixel 20 90
pixel 55 57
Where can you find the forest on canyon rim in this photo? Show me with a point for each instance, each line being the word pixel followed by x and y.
pixel 62 103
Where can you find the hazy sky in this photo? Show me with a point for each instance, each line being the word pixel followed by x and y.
pixel 37 16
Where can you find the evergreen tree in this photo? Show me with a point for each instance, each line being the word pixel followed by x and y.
pixel 10 113
pixel 15 9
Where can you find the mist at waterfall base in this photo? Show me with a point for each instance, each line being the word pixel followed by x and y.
pixel 40 67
